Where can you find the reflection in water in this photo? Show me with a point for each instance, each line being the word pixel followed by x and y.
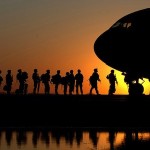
pixel 21 137
pixel 35 137
pixel 111 139
pixel 135 141
pixel 93 137
pixel 45 137
pixel 8 136
pixel 76 139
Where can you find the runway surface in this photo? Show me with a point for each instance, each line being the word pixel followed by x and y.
pixel 119 111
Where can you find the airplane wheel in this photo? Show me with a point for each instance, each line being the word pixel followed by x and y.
pixel 136 89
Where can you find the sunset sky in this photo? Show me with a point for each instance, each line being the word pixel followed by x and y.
pixel 60 34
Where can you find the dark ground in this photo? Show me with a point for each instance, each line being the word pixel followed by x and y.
pixel 117 111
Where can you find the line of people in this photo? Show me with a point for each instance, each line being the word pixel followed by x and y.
pixel 68 81
pixel 71 83
pixel 21 77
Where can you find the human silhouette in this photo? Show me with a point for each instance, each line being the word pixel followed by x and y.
pixel 113 81
pixel 1 78
pixel 45 78
pixel 36 81
pixel 9 80
pixel 93 81
pixel 65 82
pixel 22 78
pixel 56 79
pixel 71 82
pixel 21 82
pixel 79 81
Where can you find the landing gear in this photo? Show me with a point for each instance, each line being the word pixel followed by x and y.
pixel 132 80
pixel 135 89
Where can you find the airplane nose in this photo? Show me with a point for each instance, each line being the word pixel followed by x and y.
pixel 100 47
pixel 108 48
pixel 103 48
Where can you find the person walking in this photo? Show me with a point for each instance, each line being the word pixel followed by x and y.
pixel 65 83
pixel 94 78
pixel 45 78
pixel 9 80
pixel 113 81
pixel 36 81
pixel 21 82
pixel 56 80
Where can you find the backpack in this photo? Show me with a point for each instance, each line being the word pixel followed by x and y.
pixel 54 79
pixel 25 75
pixel 5 88
pixel 1 79
pixel 91 79
pixel 63 80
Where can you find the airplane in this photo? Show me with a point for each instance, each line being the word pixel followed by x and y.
pixel 125 47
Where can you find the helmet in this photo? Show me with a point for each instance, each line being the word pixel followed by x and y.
pixel 48 71
pixel 112 71
pixel 35 70
pixel 95 70
pixel 79 70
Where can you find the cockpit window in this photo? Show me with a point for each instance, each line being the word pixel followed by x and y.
pixel 122 25
pixel 127 25
pixel 116 25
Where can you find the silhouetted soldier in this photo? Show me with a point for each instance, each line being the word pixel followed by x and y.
pixel 25 85
pixel 79 81
pixel 71 82
pixel 9 80
pixel 65 82
pixel 36 81
pixel 1 78
pixel 93 81
pixel 112 80
pixel 21 82
pixel 46 81
pixel 56 79
pixel 22 78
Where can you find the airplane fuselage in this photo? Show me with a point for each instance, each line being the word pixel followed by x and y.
pixel 125 45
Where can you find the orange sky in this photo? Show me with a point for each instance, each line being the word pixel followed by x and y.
pixel 60 35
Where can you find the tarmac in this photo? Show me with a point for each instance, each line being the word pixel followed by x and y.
pixel 104 111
